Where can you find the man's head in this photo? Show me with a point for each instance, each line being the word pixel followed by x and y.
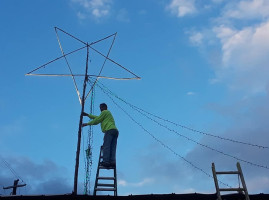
pixel 103 106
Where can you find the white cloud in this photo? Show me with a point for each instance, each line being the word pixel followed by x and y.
pixel 40 178
pixel 13 127
pixel 123 16
pixel 181 8
pixel 245 56
pixel 144 182
pixel 217 1
pixel 196 38
pixel 179 190
pixel 81 15
pixel 94 8
pixel 122 183
pixel 259 184
pixel 242 31
pixel 142 12
pixel 190 93
pixel 249 10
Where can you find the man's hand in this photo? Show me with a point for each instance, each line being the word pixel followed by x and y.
pixel 85 114
pixel 84 124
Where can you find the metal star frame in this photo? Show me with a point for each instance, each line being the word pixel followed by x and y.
pixel 84 96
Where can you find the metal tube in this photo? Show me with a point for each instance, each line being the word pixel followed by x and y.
pixel 80 125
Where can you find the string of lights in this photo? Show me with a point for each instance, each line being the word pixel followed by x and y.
pixel 182 126
pixel 158 140
pixel 198 143
pixel 89 161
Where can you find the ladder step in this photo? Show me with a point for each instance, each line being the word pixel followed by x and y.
pixel 231 172
pixel 105 189
pixel 105 185
pixel 106 178
pixel 231 189
pixel 102 167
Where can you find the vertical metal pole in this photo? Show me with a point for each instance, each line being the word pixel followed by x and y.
pixel 80 125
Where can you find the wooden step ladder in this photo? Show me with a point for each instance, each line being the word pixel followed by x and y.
pixel 105 183
pixel 239 189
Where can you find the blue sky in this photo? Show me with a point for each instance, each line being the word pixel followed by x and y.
pixel 203 64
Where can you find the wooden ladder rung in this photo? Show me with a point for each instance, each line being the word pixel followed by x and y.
pixel 239 189
pixel 106 178
pixel 231 172
pixel 105 189
pixel 231 189
pixel 102 167
pixel 109 186
pixel 106 185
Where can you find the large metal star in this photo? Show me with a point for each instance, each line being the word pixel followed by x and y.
pixel 86 45
pixel 86 78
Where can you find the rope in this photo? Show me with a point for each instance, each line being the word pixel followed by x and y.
pixel 159 141
pixel 198 143
pixel 185 127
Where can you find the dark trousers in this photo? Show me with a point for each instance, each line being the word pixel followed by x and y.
pixel 110 145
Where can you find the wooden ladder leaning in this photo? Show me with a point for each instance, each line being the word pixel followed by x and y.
pixel 239 189
pixel 105 183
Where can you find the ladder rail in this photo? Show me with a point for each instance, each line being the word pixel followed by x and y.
pixel 242 180
pixel 112 187
pixel 97 173
pixel 239 189
pixel 216 181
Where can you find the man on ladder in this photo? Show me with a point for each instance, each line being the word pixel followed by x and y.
pixel 111 134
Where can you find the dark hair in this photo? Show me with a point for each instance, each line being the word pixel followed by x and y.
pixel 103 105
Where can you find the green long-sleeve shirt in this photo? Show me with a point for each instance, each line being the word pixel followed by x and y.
pixel 105 118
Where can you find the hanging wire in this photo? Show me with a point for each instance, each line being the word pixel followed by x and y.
pixel 198 143
pixel 158 140
pixel 182 126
